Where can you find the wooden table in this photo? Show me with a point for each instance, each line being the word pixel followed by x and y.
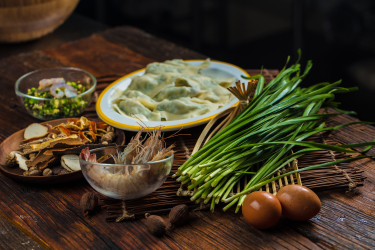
pixel 50 217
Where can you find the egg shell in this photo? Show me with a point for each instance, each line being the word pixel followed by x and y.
pixel 261 209
pixel 298 202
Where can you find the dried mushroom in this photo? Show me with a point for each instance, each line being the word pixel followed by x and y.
pixel 11 160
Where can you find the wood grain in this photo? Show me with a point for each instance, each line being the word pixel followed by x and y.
pixel 52 214
pixel 13 238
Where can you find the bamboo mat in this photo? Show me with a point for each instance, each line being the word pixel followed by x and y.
pixel 163 199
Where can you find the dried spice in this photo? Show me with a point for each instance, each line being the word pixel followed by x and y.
pixel 155 225
pixel 109 137
pixel 47 172
pixel 89 201
pixel 179 215
pixel 34 173
pixel 44 145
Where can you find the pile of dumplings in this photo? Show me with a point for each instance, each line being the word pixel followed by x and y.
pixel 172 90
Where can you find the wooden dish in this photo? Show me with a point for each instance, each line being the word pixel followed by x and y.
pixel 12 143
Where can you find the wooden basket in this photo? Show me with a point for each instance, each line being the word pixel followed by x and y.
pixel 30 19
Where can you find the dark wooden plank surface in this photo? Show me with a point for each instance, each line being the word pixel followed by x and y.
pixel 50 215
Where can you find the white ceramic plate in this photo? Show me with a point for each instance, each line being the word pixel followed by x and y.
pixel 108 115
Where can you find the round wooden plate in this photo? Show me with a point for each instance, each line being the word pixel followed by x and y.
pixel 12 143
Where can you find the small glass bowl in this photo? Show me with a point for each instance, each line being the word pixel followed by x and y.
pixel 124 181
pixel 53 108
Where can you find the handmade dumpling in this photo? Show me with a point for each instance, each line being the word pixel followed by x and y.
pixel 183 108
pixel 150 84
pixel 176 66
pixel 132 107
pixel 172 90
pixel 145 100
pixel 176 93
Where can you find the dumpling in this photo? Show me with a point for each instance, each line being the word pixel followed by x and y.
pixel 176 93
pixel 183 108
pixel 172 90
pixel 145 100
pixel 176 66
pixel 152 84
pixel 131 107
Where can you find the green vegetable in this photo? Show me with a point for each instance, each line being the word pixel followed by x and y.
pixel 280 116
pixel 55 107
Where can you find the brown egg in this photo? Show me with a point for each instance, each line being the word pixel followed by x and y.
pixel 261 209
pixel 298 202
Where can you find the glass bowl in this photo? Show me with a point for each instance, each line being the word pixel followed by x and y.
pixel 124 181
pixel 53 108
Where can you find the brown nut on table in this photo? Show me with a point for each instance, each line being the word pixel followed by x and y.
pixel 26 173
pixel 155 225
pixel 34 173
pixel 47 172
pixel 179 215
pixel 88 202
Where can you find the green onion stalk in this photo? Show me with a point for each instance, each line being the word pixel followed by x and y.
pixel 279 117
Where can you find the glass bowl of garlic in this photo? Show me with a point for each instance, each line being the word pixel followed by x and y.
pixel 123 181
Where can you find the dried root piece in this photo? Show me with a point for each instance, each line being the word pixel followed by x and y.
pixel 70 162
pixel 125 215
pixel 35 131
pixel 21 160
pixel 109 137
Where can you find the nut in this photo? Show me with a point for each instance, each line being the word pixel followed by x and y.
pixel 32 169
pixel 47 172
pixel 26 173
pixel 34 173
pixel 179 215
pixel 64 171
pixel 88 203
pixel 155 225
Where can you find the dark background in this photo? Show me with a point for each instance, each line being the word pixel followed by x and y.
pixel 337 35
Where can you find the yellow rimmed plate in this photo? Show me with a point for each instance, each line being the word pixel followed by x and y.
pixel 108 115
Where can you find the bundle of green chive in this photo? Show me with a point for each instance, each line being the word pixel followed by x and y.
pixel 279 117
